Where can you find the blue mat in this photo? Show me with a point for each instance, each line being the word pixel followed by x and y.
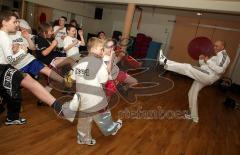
pixel 153 50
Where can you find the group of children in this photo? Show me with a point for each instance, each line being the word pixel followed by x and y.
pixel 95 75
pixel 16 65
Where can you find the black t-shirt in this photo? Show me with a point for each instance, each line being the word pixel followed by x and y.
pixel 42 44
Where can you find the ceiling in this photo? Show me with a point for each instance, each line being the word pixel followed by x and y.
pixel 216 6
pixel 86 7
pixel 175 10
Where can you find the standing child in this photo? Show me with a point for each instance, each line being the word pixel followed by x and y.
pixel 90 73
pixel 116 76
pixel 71 43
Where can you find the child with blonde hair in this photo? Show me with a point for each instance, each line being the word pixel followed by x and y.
pixel 90 74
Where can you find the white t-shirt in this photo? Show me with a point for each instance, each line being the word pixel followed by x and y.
pixel 18 38
pixel 115 69
pixel 90 73
pixel 72 51
pixel 6 54
pixel 59 35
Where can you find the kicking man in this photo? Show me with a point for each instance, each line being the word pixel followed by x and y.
pixel 210 71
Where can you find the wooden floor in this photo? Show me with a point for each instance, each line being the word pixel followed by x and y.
pixel 217 133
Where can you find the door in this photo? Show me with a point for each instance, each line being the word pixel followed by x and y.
pixel 42 10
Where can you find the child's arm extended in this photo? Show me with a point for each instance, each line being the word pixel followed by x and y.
pixel 120 56
pixel 50 48
pixel 82 42
pixel 57 29
pixel 110 64
pixel 27 36
pixel 69 46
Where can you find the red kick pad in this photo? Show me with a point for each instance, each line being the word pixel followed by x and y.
pixel 200 45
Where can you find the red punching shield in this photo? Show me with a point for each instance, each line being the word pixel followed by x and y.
pixel 200 45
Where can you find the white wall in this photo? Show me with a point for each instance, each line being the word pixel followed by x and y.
pixel 91 25
pixel 58 13
pixel 211 5
pixel 154 24
pixel 83 9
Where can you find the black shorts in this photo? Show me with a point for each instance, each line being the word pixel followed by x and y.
pixel 10 80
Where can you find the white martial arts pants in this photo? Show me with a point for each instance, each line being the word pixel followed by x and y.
pixel 202 78
pixel 103 121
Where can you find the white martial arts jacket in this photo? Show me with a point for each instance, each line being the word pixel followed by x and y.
pixel 217 64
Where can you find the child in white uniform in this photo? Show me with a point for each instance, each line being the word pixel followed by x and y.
pixel 210 71
pixel 90 73
pixel 71 43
